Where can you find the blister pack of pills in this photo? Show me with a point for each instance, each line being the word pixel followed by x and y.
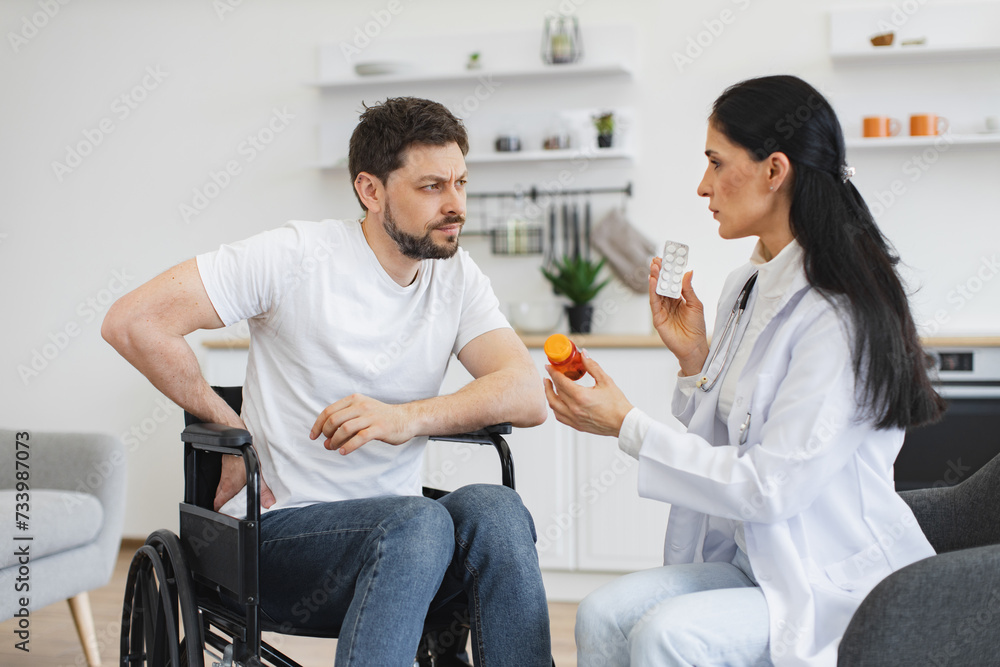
pixel 675 259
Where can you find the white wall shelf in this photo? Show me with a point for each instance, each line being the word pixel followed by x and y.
pixel 921 142
pixel 526 156
pixel 541 73
pixel 554 98
pixel 550 155
pixel 953 32
pixel 916 55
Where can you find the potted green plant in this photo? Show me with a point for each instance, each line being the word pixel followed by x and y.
pixel 605 124
pixel 576 278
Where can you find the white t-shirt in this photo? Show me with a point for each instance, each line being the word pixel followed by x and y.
pixel 327 321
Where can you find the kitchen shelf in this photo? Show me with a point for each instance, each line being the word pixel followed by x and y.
pixel 550 155
pixel 549 72
pixel 922 142
pixel 954 32
pixel 526 156
pixel 915 54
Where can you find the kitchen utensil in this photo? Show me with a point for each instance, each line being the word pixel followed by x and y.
pixel 550 250
pixel 576 231
pixel 566 229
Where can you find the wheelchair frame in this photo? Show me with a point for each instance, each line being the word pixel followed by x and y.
pixel 173 576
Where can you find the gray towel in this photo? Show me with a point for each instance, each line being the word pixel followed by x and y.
pixel 627 250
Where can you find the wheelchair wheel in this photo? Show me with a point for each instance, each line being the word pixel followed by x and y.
pixel 158 592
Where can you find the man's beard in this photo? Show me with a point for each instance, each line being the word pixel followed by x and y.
pixel 421 247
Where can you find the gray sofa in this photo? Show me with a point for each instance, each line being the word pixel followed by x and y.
pixel 943 610
pixel 75 486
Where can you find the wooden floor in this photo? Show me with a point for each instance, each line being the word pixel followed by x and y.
pixel 54 642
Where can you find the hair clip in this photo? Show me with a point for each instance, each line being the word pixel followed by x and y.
pixel 846 173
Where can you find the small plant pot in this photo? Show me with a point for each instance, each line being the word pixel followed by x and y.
pixel 580 318
pixel 604 140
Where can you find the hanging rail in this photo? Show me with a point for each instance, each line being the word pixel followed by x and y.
pixel 534 193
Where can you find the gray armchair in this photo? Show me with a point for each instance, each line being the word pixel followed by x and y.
pixel 943 610
pixel 72 513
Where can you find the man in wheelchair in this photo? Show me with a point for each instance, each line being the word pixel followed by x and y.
pixel 352 325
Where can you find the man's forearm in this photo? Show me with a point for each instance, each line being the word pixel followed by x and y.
pixel 509 395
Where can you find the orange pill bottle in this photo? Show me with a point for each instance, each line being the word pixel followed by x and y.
pixel 564 356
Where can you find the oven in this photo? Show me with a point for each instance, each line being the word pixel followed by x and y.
pixel 968 436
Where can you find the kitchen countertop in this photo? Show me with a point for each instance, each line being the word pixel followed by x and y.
pixel 638 341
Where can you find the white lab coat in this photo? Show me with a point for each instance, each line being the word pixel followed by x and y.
pixel 812 482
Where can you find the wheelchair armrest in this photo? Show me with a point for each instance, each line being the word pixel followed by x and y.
pixel 481 436
pixel 219 439
pixel 489 435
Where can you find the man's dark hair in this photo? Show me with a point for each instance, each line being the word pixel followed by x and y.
pixel 387 130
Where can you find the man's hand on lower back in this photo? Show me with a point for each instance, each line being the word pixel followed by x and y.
pixel 233 479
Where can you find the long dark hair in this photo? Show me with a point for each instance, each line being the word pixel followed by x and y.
pixel 847 258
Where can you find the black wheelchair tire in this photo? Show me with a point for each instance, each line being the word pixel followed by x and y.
pixel 158 591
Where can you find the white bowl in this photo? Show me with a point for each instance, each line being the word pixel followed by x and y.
pixel 536 317
pixel 381 67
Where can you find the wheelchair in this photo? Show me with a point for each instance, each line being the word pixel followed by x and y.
pixel 182 590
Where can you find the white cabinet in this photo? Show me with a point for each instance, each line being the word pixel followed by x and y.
pixel 580 488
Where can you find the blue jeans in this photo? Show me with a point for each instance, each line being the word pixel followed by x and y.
pixel 372 569
pixel 695 614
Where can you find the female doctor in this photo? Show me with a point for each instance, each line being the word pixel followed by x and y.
pixel 783 513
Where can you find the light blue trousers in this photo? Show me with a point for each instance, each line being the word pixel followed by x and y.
pixel 698 614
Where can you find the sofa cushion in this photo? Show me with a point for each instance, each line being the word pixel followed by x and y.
pixel 57 521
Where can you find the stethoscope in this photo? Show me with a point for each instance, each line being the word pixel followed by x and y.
pixel 731 330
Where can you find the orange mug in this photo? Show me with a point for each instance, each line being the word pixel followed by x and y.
pixel 927 125
pixel 881 126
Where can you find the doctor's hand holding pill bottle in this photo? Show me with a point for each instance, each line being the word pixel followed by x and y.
pixel 777 463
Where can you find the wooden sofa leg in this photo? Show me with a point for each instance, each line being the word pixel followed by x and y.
pixel 79 605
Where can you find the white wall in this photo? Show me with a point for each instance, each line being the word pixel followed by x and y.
pixel 70 242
